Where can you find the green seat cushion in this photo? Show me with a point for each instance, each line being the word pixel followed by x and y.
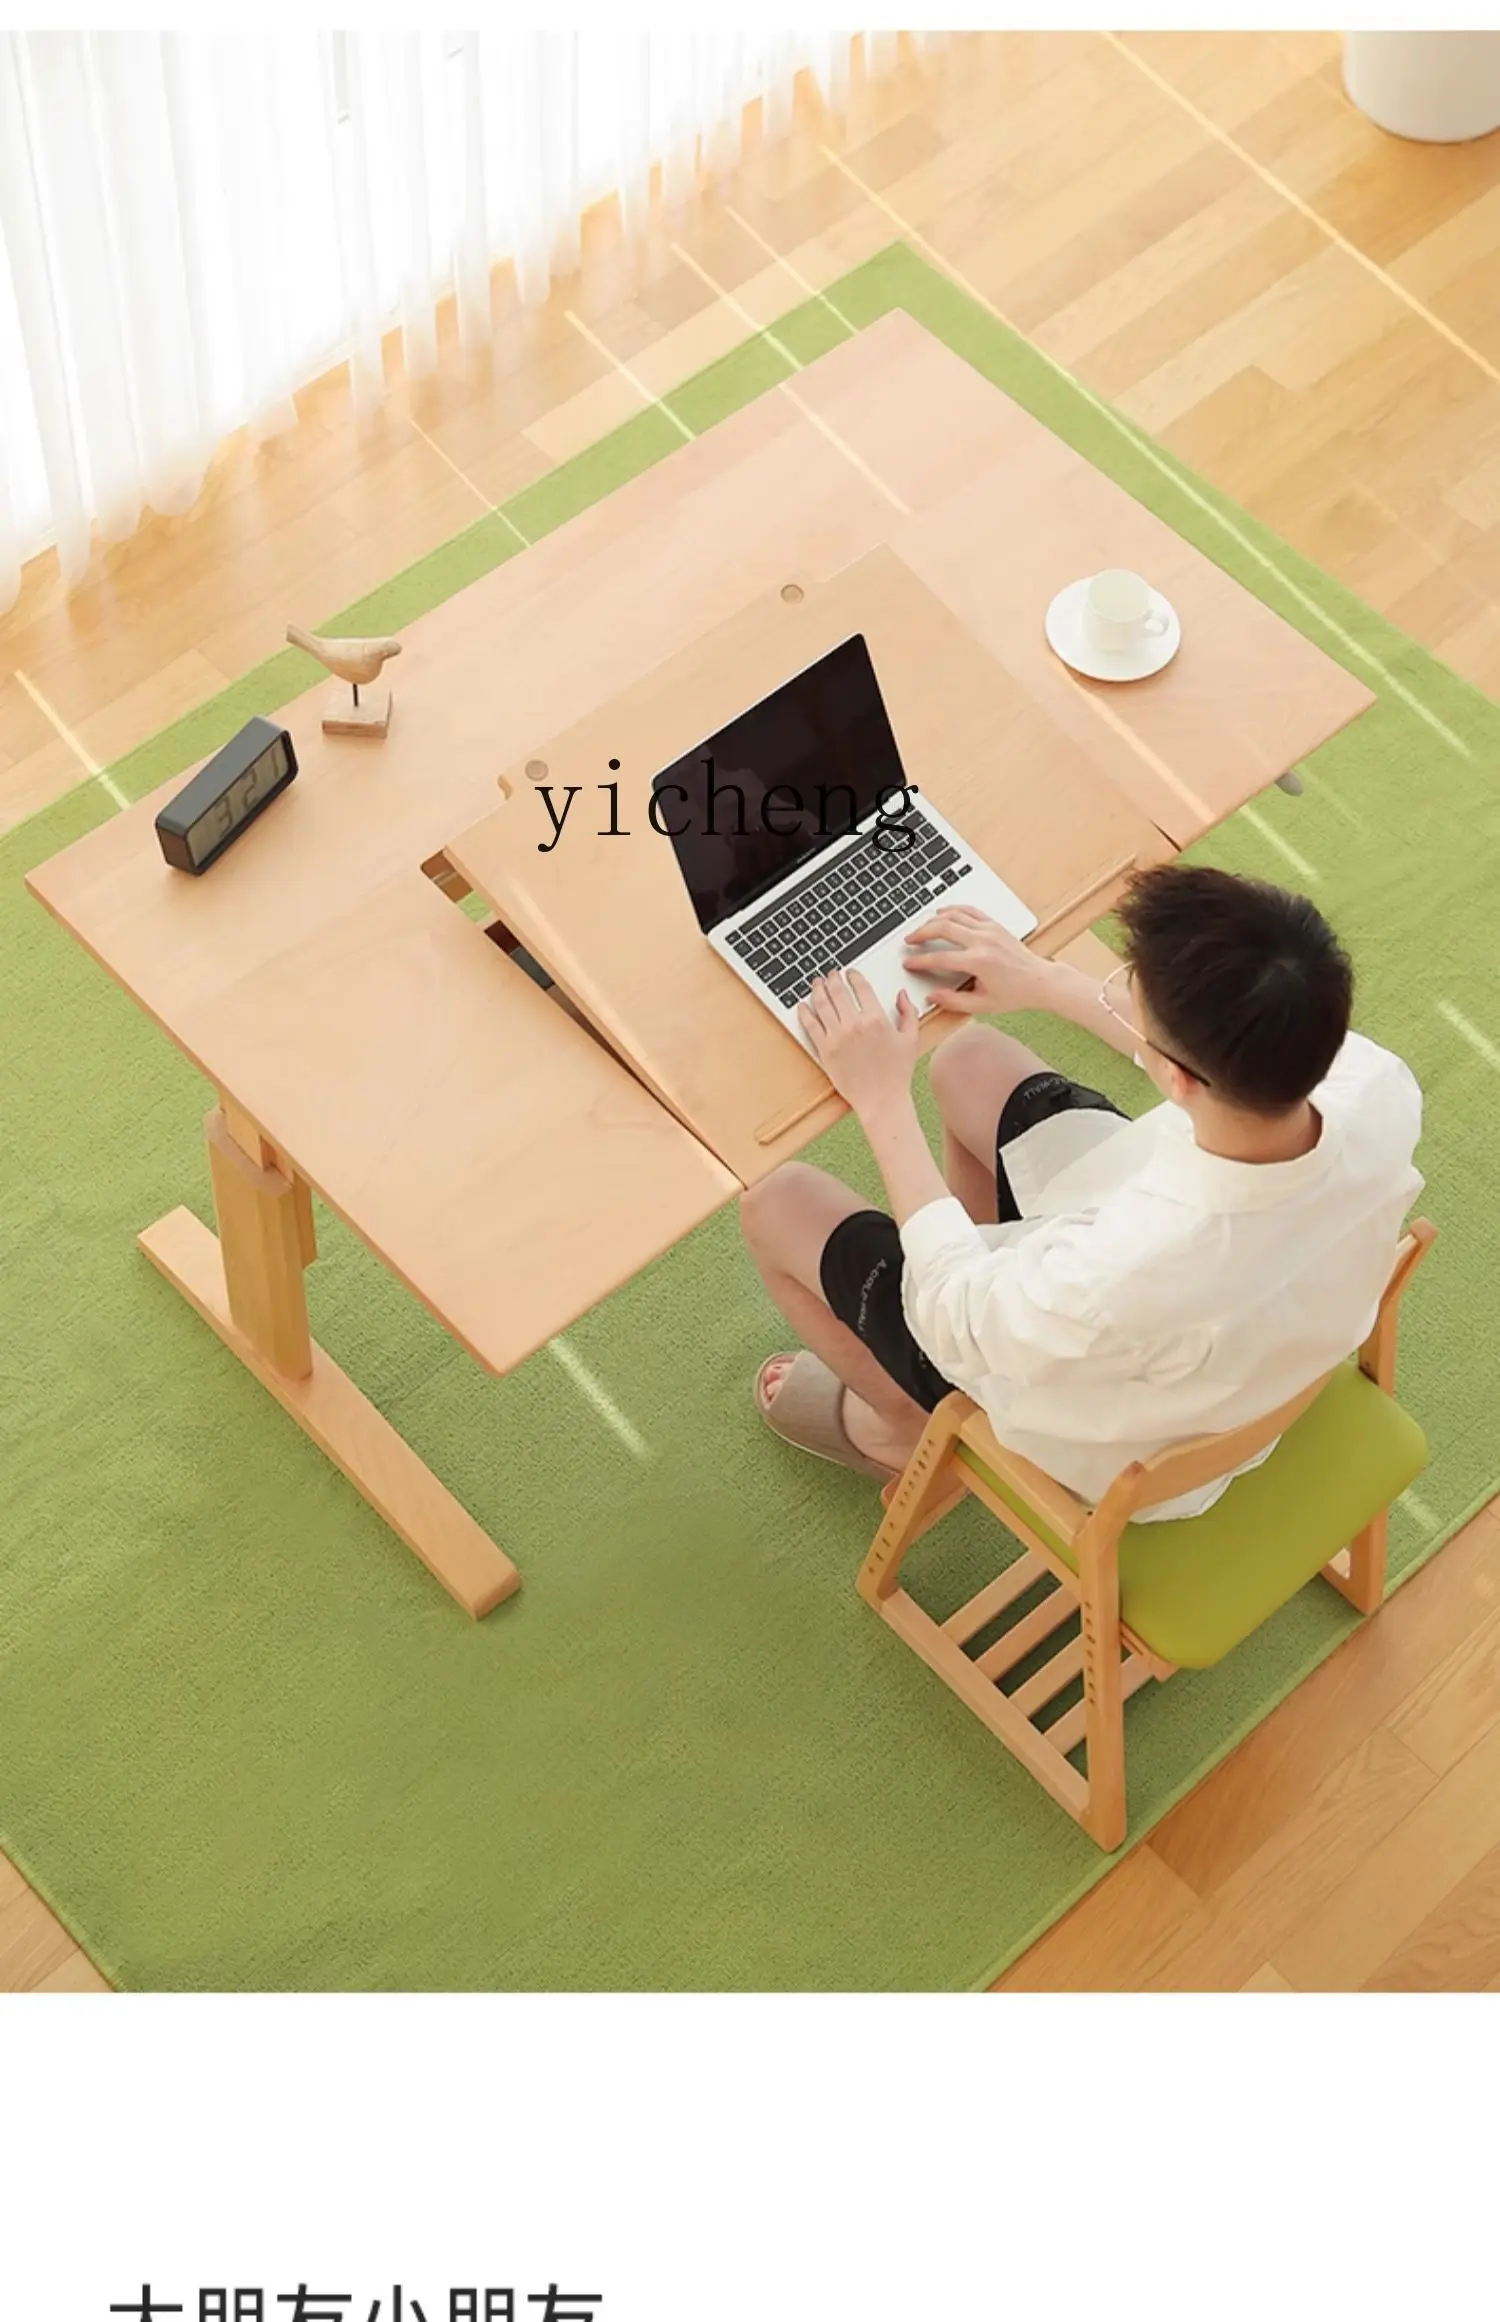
pixel 1192 1587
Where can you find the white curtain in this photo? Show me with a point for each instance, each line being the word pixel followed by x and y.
pixel 192 225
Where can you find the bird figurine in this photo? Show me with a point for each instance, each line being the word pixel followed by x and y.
pixel 358 661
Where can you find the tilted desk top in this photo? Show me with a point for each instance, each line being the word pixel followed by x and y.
pixel 611 916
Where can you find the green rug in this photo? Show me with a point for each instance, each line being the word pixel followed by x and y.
pixel 245 1742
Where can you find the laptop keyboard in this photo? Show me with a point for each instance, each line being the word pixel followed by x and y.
pixel 843 908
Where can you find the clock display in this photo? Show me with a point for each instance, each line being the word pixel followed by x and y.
pixel 226 795
pixel 233 805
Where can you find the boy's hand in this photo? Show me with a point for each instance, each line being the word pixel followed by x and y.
pixel 869 1057
pixel 1005 974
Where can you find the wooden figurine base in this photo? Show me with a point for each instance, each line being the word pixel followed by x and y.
pixel 370 716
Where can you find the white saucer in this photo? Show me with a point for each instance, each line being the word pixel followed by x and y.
pixel 1065 636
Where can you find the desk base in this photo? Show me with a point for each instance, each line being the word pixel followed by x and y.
pixel 346 1427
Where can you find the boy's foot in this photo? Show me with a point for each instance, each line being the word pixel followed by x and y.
pixel 820 1415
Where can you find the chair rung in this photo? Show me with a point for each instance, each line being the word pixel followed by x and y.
pixel 1029 1632
pixel 1066 1732
pixel 980 1610
pixel 1050 1678
pixel 1035 1750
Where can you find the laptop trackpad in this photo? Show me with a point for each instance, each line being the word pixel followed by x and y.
pixel 887 972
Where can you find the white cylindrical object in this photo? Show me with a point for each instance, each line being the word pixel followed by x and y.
pixel 1440 87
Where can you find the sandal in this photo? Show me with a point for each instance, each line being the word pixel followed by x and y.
pixel 808 1411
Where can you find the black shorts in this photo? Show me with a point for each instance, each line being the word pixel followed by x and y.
pixel 862 1257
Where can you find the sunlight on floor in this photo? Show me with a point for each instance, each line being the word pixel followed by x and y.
pixel 65 733
pixel 1273 838
pixel 1412 1500
pixel 1470 1032
pixel 608 1409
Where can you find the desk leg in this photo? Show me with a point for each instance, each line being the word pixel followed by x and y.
pixel 247 1284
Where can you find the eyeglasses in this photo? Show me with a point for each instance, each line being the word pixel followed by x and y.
pixel 1128 1024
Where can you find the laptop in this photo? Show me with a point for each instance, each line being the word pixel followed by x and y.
pixel 804 848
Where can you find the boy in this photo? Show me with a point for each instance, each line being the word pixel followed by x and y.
pixel 1102 1287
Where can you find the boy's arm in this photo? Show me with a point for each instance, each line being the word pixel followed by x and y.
pixel 903 1155
pixel 1068 992
pixel 1007 978
pixel 976 1307
pixel 869 1057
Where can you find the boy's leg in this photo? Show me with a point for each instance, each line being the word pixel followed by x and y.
pixel 973 1073
pixel 787 1219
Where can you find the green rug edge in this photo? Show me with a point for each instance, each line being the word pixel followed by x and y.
pixel 1340 623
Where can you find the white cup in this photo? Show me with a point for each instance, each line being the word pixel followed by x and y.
pixel 1117 614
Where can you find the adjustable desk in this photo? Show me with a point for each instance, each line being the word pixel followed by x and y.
pixel 369 1042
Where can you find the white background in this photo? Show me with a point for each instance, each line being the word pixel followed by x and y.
pixel 716 2159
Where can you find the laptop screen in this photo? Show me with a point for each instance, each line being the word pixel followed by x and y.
pixel 780 783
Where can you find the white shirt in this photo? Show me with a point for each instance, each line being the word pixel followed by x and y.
pixel 1152 1291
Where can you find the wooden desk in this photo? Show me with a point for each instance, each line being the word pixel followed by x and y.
pixel 436 1098
pixel 369 1042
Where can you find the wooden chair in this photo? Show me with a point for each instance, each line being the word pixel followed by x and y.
pixel 1149 1598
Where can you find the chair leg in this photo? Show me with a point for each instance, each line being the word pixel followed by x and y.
pixel 1103 1706
pixel 1363 1584
pixel 927 1476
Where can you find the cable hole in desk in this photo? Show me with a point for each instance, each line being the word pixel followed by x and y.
pixel 536 769
pixel 792 593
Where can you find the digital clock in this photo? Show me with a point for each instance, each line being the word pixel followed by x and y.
pixel 225 796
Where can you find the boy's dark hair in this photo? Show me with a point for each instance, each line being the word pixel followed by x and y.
pixel 1246 983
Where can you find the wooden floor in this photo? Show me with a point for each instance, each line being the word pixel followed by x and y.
pixel 1202 227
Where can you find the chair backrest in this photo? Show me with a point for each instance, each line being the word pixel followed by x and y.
pixel 1187 1467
